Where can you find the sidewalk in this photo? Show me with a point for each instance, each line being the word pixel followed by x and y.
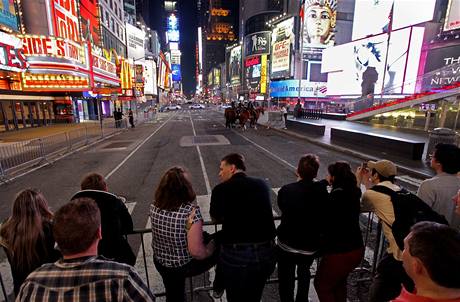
pixel 420 168
pixel 39 132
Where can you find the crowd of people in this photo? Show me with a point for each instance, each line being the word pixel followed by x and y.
pixel 81 252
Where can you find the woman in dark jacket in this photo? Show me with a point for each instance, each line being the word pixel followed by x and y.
pixel 299 233
pixel 344 244
pixel 27 235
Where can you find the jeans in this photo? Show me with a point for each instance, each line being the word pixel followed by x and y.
pixel 245 269
pixel 287 264
pixel 387 281
pixel 174 277
pixel 332 273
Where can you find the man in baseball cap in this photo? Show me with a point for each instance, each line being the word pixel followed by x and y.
pixel 383 167
pixel 390 274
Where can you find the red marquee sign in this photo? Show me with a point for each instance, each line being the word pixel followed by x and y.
pixel 64 17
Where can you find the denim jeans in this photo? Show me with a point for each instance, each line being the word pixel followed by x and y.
pixel 387 281
pixel 287 264
pixel 174 277
pixel 245 269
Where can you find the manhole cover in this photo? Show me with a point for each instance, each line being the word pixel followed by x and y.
pixel 203 140
pixel 117 145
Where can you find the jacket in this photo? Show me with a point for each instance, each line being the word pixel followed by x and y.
pixel 116 223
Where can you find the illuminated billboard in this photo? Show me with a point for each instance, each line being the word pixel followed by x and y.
pixel 373 17
pixel 89 13
pixel 150 77
pixel 257 44
pixel 235 65
pixel 176 74
pixel 64 17
pixel 318 27
pixel 347 64
pixel 282 44
pixel 453 15
pixel 441 67
pixel 135 42
pixel 8 15
pixel 172 29
pixel 290 89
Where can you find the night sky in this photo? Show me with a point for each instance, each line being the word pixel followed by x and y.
pixel 188 36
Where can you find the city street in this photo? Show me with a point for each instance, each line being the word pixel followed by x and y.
pixel 134 160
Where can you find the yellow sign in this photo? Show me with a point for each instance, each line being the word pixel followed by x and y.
pixel 263 74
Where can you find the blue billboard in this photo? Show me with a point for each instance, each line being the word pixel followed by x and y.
pixel 176 76
pixel 8 16
pixel 290 89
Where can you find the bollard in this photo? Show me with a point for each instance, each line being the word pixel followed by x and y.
pixel 86 135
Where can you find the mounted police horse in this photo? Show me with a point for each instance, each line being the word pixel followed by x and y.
pixel 252 116
pixel 230 117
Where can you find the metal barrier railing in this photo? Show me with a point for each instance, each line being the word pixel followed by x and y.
pixel 22 154
pixel 371 228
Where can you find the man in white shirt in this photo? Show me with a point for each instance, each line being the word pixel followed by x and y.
pixel 390 272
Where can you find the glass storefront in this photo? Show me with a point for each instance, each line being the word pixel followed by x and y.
pixel 16 115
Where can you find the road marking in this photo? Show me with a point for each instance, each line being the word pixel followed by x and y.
pixel 137 148
pixel 203 168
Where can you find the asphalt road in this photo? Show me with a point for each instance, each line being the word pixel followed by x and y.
pixel 134 161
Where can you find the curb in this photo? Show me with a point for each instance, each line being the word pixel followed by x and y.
pixel 351 152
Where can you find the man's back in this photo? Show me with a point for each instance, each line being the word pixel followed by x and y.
pixel 243 205
pixel 437 192
pixel 84 279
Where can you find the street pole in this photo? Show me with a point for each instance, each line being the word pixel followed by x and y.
pixel 301 56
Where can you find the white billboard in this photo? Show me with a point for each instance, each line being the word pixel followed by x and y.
pixel 453 15
pixel 150 77
pixel 373 17
pixel 135 39
pixel 346 64
pixel 282 42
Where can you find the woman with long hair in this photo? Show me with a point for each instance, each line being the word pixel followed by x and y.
pixel 177 234
pixel 344 247
pixel 27 235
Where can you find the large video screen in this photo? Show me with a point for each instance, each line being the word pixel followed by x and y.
pixel 373 17
pixel 352 66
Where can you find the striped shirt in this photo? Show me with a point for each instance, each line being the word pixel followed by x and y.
pixel 84 279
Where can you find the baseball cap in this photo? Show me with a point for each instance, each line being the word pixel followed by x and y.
pixel 384 167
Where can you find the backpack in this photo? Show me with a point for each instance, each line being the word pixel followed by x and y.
pixel 408 209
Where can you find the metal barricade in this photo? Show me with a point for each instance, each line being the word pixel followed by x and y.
pixel 372 229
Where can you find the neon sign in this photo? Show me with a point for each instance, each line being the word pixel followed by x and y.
pixel 52 46
pixel 64 16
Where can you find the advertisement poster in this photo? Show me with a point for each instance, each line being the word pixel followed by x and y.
pixel 216 72
pixel 176 74
pixel 172 29
pixel 318 28
pixel 290 89
pixel 150 87
pixel 252 67
pixel 282 42
pixel 442 67
pixel 135 42
pixel 235 65
pixel 8 16
pixel 257 44
pixel 373 17
pixel 65 19
pixel 358 65
pixel 89 12
pixel 453 15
